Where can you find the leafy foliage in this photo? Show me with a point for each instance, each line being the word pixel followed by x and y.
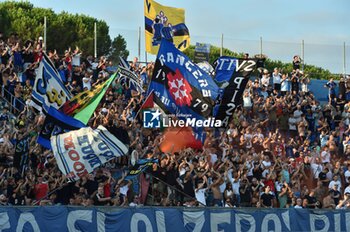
pixel 118 49
pixel 63 29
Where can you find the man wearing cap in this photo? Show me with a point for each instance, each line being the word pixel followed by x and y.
pixel 265 79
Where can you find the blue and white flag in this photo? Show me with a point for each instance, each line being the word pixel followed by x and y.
pixel 48 89
pixel 182 86
pixel 232 74
pixel 140 166
pixel 81 151
pixel 57 123
pixel 184 89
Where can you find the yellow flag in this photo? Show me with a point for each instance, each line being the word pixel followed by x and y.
pixel 164 22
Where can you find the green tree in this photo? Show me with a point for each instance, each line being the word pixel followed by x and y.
pixel 63 29
pixel 118 49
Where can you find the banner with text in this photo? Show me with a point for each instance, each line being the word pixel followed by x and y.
pixel 81 151
pixel 232 76
pixel 64 219
pixel 201 52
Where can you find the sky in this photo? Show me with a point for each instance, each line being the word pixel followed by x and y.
pixel 324 25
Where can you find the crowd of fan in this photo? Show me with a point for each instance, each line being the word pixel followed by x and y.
pixel 282 149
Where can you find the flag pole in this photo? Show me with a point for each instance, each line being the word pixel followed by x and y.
pixel 222 44
pixel 261 48
pixel 344 59
pixel 302 54
pixel 138 112
pixel 45 26
pixel 95 40
pixel 139 44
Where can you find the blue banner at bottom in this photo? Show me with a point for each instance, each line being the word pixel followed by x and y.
pixel 60 218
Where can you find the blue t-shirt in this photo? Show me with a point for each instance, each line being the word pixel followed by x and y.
pixel 331 87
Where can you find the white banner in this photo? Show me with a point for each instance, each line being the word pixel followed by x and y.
pixel 81 151
pixel 48 89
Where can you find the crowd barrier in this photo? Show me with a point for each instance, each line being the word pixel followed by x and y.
pixel 105 219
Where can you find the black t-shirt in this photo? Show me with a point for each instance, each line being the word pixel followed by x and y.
pixel 65 193
pixel 18 200
pixel 30 74
pixel 78 77
pixel 28 57
pixel 296 65
pixel 171 177
pixel 97 202
pixel 3 159
pixel 161 173
pixel 257 173
pixel 311 200
pixel 335 195
pixel 247 195
pixel 322 176
pixel 120 133
pixel 267 199
pixel 188 188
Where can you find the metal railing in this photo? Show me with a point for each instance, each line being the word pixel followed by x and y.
pixel 12 101
pixel 149 195
pixel 173 189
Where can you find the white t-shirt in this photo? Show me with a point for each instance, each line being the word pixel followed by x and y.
pixel 124 190
pixel 276 78
pixel 213 158
pixel 247 102
pixel 292 123
pixel 297 115
pixel 76 60
pixel 316 169
pixel 285 85
pixel 266 164
pixel 265 81
pixel 326 157
pixel 235 186
pixel 347 175
pixel 87 82
pixel 250 168
pixel 347 189
pixel 332 183
pixel 222 187
pixel 200 196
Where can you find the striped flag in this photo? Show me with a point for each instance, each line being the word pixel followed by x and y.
pixel 81 151
pixel 48 89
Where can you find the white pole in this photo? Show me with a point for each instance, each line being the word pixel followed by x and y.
pixel 45 46
pixel 261 48
pixel 222 44
pixel 344 60
pixel 95 40
pixel 302 55
pixel 139 44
